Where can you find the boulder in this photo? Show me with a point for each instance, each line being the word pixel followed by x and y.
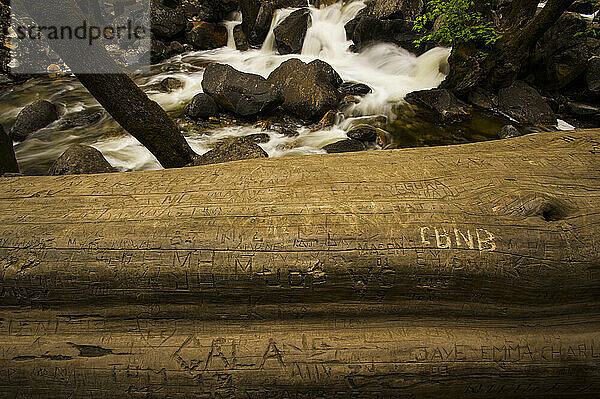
pixel 32 118
pixel 290 34
pixel 309 90
pixel 80 160
pixel 348 145
pixel 158 51
pixel 441 105
pixel 232 150
pixel 258 138
pixel 258 14
pixel 242 93
pixel 170 84
pixel 241 41
pixel 202 106
pixel 207 36
pixel 366 133
pixel 166 22
pixel 8 162
pixel 389 21
pixel 355 89
pixel 396 9
pixel 85 118
pixel 262 24
pixel 524 104
pixel 508 132
pixel 592 77
pixel 200 10
pixel 586 112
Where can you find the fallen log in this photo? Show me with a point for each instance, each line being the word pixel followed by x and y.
pixel 461 271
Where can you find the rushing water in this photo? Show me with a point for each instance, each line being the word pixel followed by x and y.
pixel 389 70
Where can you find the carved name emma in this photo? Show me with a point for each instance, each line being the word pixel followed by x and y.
pixel 453 237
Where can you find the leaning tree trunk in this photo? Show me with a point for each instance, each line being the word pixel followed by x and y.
pixel 511 53
pixel 468 271
pixel 116 92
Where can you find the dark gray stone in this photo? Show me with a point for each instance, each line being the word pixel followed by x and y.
pixel 80 160
pixel 207 36
pixel 363 133
pixel 441 104
pixel 309 90
pixel 32 118
pixel 349 145
pixel 166 22
pixel 524 104
pixel 355 89
pixel 236 149
pixel 242 93
pixel 508 132
pixel 202 106
pixel 290 34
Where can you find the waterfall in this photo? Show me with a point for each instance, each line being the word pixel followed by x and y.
pixel 390 71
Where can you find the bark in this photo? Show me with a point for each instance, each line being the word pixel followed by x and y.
pixel 509 58
pixel 115 91
pixel 511 53
pixel 521 13
pixel 461 272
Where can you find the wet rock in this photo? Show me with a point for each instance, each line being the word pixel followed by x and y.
pixel 202 106
pixel 363 133
pixel 231 150
pixel 483 99
pixel 207 36
pixel 309 90
pixel 171 84
pixel 524 104
pixel 349 145
pixel 166 22
pixel 592 77
pixel 84 118
pixel 441 104
pixel 159 51
pixel 32 118
pixel 290 34
pixel 258 138
pixel 327 121
pixel 242 93
pixel 389 21
pixel 355 89
pixel 200 10
pixel 508 132
pixel 262 24
pixel 373 120
pixel 8 162
pixel 585 112
pixel 241 41
pixel 396 9
pixel 80 160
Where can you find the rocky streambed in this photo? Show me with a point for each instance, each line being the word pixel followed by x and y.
pixel 286 79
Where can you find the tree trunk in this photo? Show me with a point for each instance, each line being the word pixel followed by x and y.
pixel 511 52
pixel 467 271
pixel 509 57
pixel 8 162
pixel 116 92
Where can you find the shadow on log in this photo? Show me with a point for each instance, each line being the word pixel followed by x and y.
pixel 468 271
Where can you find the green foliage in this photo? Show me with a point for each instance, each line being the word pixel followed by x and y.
pixel 457 22
pixel 591 30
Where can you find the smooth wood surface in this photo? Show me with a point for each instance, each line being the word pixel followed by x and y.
pixel 462 271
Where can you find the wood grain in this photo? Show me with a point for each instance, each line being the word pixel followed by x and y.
pixel 461 271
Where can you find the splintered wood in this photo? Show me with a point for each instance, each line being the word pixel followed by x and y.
pixel 468 271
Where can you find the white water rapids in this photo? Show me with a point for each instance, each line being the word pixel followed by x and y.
pixel 390 71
